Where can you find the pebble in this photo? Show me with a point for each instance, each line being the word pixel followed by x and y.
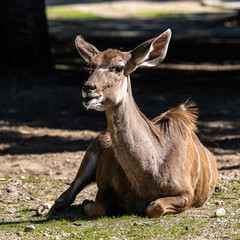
pixel 57 237
pixel 3 179
pixel 219 203
pixel 27 198
pixel 220 212
pixel 22 177
pixel 9 211
pixel 29 228
pixel 45 235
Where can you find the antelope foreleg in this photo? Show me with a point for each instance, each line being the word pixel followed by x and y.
pixel 165 205
pixel 86 174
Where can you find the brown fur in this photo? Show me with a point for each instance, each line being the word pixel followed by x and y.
pixel 144 167
pixel 182 118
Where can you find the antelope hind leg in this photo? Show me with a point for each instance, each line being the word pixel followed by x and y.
pixel 165 205
pixel 86 174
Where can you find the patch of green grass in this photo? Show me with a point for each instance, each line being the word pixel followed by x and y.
pixel 193 224
pixel 157 14
pixel 4 178
pixel 70 13
pixel 31 179
pixel 128 227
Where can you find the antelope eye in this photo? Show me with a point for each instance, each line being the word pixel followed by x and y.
pixel 119 68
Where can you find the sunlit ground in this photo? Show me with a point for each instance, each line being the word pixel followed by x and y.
pixel 126 9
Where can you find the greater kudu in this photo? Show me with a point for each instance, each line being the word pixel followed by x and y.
pixel 142 166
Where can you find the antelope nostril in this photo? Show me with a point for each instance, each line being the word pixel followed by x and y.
pixel 89 87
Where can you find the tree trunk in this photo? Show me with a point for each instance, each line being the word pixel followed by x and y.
pixel 25 53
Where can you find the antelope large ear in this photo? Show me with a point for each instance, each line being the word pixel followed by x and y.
pixel 150 53
pixel 85 49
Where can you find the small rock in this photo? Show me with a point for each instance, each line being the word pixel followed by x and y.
pixel 9 211
pixel 29 228
pixel 68 160
pixel 76 224
pixel 3 179
pixel 27 198
pixel 220 212
pixel 219 203
pixel 57 237
pixel 45 235
pixel 22 177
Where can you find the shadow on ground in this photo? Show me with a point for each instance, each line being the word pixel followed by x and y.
pixel 200 66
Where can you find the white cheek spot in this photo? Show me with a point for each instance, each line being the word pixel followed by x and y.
pixel 101 69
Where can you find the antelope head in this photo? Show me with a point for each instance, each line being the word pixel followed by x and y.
pixel 109 70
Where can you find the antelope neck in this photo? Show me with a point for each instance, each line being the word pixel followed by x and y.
pixel 136 148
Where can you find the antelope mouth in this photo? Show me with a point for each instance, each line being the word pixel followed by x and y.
pixel 92 102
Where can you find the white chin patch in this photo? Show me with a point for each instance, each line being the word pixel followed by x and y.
pixel 94 103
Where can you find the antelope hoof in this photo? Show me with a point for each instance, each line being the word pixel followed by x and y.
pixel 44 208
pixel 92 209
pixel 155 209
